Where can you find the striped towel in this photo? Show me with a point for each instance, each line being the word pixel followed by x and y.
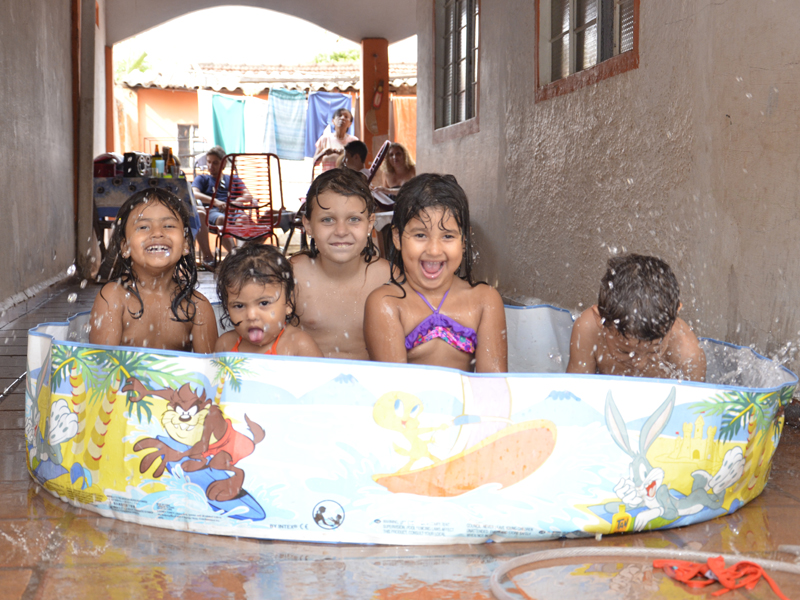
pixel 286 124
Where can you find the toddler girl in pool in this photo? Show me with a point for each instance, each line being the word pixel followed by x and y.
pixel 342 267
pixel 255 285
pixel 432 312
pixel 150 300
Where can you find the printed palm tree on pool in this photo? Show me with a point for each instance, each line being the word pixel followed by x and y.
pixel 118 366
pixel 760 413
pixel 81 366
pixel 228 368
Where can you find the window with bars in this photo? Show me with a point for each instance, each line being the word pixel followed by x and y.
pixel 456 61
pixel 577 35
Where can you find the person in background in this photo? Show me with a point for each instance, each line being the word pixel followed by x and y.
pixel 397 168
pixel 203 187
pixel 634 329
pixel 355 155
pixel 331 143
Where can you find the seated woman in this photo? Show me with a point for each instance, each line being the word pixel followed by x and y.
pixel 331 143
pixel 397 168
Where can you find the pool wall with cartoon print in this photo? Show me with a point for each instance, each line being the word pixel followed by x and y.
pixel 348 451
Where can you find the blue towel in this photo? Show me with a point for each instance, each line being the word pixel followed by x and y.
pixel 228 121
pixel 321 106
pixel 286 120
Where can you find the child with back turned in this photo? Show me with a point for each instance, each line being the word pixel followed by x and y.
pixel 255 285
pixel 335 276
pixel 429 314
pixel 634 328
pixel 150 300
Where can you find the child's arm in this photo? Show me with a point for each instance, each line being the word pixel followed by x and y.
pixel 685 352
pixel 582 344
pixel 204 326
pixel 491 355
pixel 383 330
pixel 106 318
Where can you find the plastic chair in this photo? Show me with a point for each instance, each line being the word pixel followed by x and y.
pixel 250 212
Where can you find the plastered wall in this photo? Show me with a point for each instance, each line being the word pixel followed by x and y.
pixel 35 130
pixel 693 157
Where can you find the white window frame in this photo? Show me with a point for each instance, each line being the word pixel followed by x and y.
pixel 443 40
pixel 544 48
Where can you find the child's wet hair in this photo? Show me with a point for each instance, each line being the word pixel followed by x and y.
pixel 639 296
pixel 431 190
pixel 185 274
pixel 255 263
pixel 344 182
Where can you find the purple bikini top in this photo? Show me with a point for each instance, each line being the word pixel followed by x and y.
pixel 437 325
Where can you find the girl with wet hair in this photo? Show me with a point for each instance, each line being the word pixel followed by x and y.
pixel 150 300
pixel 433 312
pixel 255 285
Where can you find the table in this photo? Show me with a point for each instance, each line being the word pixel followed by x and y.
pixel 111 192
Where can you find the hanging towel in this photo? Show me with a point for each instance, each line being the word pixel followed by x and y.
pixel 228 123
pixel 255 124
pixel 321 106
pixel 404 116
pixel 286 124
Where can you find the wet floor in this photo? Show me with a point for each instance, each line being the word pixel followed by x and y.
pixel 51 550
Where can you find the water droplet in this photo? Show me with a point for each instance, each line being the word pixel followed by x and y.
pixel 748 95
pixel 739 79
pixel 83 284
pixel 72 297
pixel 71 270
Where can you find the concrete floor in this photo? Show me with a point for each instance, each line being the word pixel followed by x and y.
pixel 50 550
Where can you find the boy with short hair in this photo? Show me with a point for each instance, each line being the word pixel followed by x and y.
pixel 634 328
pixel 355 155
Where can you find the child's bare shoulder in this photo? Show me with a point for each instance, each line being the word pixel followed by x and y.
pixel 387 296
pixel 226 341
pixel 587 321
pixel 378 271
pixel 682 339
pixel 685 352
pixel 299 343
pixel 113 291
pixel 301 261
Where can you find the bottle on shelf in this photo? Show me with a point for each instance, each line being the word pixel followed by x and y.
pixel 169 161
pixel 154 164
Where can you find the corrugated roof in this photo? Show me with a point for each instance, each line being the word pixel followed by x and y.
pixel 256 79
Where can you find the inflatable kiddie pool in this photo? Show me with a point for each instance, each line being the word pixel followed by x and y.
pixel 348 451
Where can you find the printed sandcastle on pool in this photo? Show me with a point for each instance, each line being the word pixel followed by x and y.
pixel 348 451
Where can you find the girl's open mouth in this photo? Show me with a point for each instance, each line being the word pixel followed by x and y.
pixel 158 248
pixel 432 269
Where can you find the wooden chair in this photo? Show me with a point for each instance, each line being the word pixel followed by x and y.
pixel 255 199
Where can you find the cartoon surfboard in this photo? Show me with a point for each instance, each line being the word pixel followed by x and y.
pixel 242 507
pixel 505 457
